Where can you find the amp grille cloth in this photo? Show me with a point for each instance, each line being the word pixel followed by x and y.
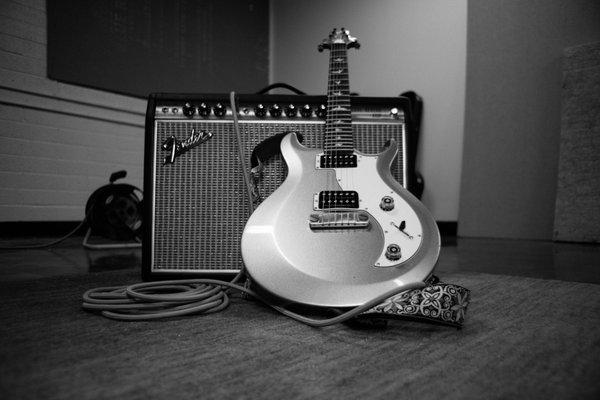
pixel 200 204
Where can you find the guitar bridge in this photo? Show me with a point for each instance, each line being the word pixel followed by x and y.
pixel 339 220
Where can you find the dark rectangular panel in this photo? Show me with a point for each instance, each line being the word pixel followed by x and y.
pixel 137 47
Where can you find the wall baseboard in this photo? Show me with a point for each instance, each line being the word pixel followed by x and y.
pixel 60 228
pixel 447 228
pixel 25 229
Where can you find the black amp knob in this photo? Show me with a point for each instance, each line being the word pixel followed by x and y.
pixel 322 111
pixel 291 111
pixel 275 111
pixel 204 110
pixel 189 110
pixel 306 111
pixel 260 111
pixel 220 110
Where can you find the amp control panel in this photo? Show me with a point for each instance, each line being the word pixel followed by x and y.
pixel 271 108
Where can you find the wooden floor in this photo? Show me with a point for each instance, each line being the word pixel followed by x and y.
pixel 537 259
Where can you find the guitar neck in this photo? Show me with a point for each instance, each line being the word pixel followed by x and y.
pixel 338 124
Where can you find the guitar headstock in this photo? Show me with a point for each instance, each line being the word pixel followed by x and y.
pixel 339 36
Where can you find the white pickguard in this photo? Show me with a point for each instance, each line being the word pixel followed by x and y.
pixel 365 180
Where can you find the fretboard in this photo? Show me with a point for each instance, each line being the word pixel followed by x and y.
pixel 338 125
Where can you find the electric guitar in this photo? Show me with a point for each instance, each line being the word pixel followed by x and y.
pixel 340 230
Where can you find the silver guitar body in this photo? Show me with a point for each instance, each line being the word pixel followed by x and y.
pixel 286 251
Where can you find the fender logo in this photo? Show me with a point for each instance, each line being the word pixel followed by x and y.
pixel 177 147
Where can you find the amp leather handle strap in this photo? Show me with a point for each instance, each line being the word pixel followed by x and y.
pixel 437 302
pixel 282 86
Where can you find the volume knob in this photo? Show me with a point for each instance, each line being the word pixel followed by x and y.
pixel 275 111
pixel 189 110
pixel 220 110
pixel 204 110
pixel 392 252
pixel 291 111
pixel 387 203
pixel 322 111
pixel 306 111
pixel 260 111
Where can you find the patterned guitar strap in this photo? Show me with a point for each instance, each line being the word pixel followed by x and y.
pixel 437 302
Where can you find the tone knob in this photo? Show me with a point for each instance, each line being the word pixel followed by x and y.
pixel 260 111
pixel 220 110
pixel 393 253
pixel 306 111
pixel 275 111
pixel 204 110
pixel 189 110
pixel 387 203
pixel 291 111
pixel 322 111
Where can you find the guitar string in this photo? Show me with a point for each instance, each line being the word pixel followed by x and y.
pixel 339 134
pixel 333 132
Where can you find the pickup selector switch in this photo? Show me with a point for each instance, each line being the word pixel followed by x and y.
pixel 387 203
pixel 393 252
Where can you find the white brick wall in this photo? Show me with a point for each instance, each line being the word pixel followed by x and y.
pixel 58 142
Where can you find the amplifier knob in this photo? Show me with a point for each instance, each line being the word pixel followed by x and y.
pixel 322 111
pixel 306 111
pixel 189 110
pixel 220 110
pixel 275 111
pixel 204 110
pixel 395 113
pixel 291 111
pixel 260 111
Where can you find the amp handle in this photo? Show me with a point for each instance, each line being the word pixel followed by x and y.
pixel 280 85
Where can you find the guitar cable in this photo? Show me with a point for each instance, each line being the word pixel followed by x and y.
pixel 173 298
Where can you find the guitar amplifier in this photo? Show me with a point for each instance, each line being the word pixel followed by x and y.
pixel 195 199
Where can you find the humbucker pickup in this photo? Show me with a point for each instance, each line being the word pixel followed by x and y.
pixel 328 199
pixel 337 160
pixel 339 220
